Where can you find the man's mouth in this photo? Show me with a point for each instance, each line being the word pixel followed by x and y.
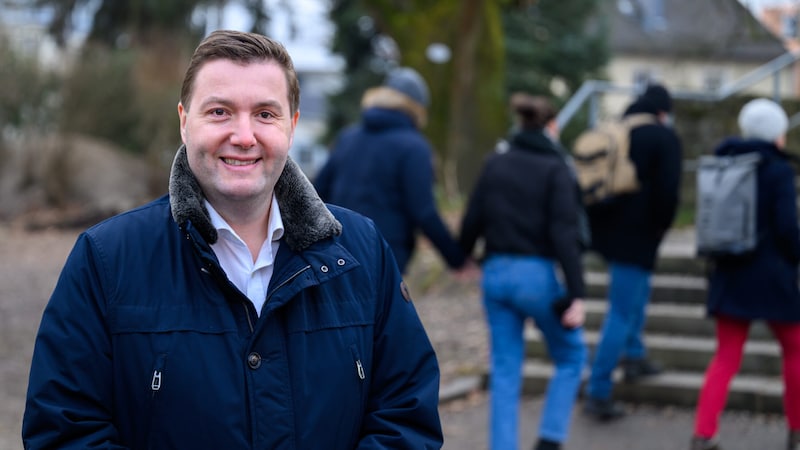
pixel 238 162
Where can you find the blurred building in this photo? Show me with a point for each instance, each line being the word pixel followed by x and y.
pixel 690 45
pixel 24 29
pixel 782 21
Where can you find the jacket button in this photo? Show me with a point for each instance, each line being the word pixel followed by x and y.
pixel 340 262
pixel 254 360
pixel 324 269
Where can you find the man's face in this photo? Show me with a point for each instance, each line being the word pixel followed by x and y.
pixel 237 130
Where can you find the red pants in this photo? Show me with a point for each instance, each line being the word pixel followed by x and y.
pixel 731 337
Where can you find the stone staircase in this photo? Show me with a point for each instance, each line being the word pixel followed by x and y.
pixel 678 335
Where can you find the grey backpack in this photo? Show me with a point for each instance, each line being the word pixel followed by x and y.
pixel 726 205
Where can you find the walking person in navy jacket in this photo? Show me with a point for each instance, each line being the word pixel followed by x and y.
pixel 237 312
pixel 761 286
pixel 382 167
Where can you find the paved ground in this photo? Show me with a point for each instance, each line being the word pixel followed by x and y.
pixel 452 314
pixel 451 311
pixel 645 428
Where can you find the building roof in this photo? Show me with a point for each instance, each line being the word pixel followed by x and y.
pixel 708 29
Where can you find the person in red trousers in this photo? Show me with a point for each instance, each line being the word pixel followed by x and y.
pixel 761 286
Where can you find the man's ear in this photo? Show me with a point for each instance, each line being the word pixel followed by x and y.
pixel 294 125
pixel 182 116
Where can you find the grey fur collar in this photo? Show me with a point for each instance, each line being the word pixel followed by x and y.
pixel 306 218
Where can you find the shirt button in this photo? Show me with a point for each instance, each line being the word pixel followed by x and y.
pixel 324 269
pixel 340 262
pixel 254 360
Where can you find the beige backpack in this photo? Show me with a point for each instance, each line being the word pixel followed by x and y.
pixel 602 159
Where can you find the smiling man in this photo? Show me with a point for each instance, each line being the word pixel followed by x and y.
pixel 238 311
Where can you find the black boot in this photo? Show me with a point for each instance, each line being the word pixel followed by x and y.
pixel 700 443
pixel 602 409
pixel 794 440
pixel 544 444
pixel 636 369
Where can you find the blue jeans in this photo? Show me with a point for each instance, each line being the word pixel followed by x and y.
pixel 628 294
pixel 515 288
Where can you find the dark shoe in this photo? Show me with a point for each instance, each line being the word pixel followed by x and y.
pixel 700 443
pixel 544 444
pixel 636 369
pixel 794 440
pixel 602 409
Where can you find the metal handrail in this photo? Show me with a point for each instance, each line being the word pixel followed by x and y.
pixel 591 89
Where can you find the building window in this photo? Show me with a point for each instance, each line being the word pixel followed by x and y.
pixel 713 80
pixel 789 25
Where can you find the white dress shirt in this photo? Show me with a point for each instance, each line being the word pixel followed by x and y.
pixel 251 277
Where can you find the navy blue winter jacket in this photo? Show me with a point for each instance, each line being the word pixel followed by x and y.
pixel 763 286
pixel 383 168
pixel 145 344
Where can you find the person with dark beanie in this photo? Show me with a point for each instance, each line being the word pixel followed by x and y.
pixel 627 232
pixel 525 207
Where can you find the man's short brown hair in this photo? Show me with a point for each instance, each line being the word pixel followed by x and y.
pixel 242 48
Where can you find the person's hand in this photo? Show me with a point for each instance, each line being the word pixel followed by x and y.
pixel 470 271
pixel 574 316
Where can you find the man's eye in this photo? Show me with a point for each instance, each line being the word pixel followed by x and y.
pixel 218 112
pixel 266 115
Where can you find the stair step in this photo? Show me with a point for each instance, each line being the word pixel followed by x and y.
pixel 679 263
pixel 666 288
pixel 671 318
pixel 747 392
pixel 676 352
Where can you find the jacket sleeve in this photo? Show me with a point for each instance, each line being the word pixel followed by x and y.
pixel 402 408
pixel 69 397
pixel 784 214
pixel 563 228
pixel 473 223
pixel 666 185
pixel 420 204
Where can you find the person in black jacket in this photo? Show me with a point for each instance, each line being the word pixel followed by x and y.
pixel 627 232
pixel 761 286
pixel 525 207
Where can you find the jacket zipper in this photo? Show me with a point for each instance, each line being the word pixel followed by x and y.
pixel 286 281
pixel 247 313
pixel 360 372
pixel 156 383
pixel 158 373
pixel 283 283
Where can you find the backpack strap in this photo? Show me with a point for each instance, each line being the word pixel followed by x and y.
pixel 639 119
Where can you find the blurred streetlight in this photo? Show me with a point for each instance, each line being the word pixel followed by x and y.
pixel 438 53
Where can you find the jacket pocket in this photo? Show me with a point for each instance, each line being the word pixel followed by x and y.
pixel 156 385
pixel 360 376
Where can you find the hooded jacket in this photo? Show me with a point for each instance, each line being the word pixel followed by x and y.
pixel 383 168
pixel 763 285
pixel 630 229
pixel 145 344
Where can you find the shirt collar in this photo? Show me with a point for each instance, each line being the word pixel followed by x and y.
pixel 275 229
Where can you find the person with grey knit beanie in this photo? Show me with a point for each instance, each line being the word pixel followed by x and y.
pixel 382 167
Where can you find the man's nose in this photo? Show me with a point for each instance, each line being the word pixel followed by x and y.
pixel 243 135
